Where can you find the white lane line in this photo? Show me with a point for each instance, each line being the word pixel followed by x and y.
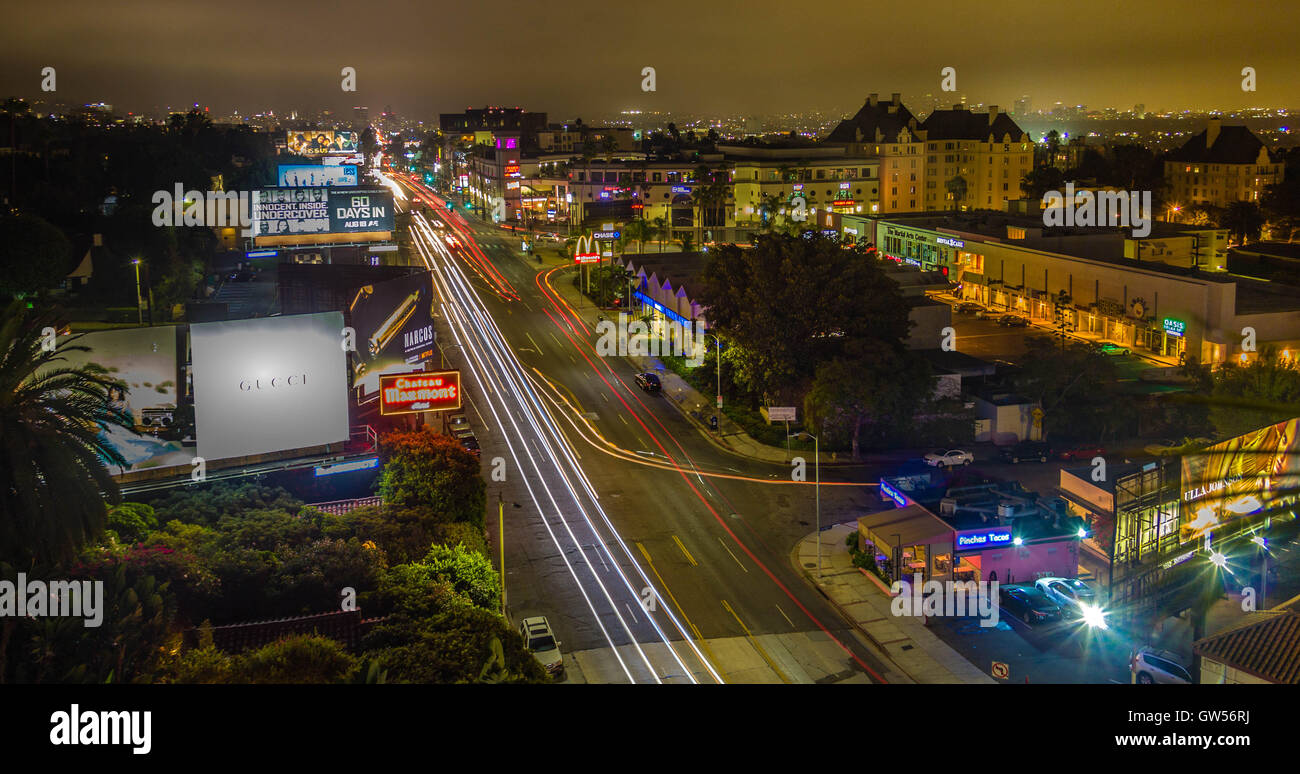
pixel 733 556
pixel 786 617
pixel 535 344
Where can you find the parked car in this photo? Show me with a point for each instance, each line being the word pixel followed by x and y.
pixel 1028 604
pixel 1070 593
pixel 467 439
pixel 966 307
pixel 1025 450
pixel 1082 451
pixel 1112 349
pixel 1012 321
pixel 540 640
pixel 457 422
pixel 948 459
pixel 648 382
pixel 1148 665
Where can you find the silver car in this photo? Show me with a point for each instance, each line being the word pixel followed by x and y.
pixel 1148 666
pixel 539 639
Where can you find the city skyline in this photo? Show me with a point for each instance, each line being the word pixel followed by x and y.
pixel 434 63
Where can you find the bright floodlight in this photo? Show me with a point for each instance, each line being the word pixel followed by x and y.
pixel 1018 541
pixel 1082 532
pixel 1218 559
pixel 1260 541
pixel 1094 617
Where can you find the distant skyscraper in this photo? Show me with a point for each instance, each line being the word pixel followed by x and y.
pixel 1021 106
pixel 1140 110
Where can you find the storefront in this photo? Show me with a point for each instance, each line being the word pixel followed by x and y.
pixel 908 541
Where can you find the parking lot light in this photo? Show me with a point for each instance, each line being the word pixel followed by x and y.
pixel 1218 559
pixel 1083 533
pixel 1094 616
pixel 1018 541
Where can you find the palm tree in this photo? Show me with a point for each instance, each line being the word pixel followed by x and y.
pixel 53 477
pixel 660 230
pixel 687 241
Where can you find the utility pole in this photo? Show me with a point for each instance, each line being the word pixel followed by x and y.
pixel 501 526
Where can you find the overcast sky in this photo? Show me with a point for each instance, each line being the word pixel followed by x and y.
pixel 570 56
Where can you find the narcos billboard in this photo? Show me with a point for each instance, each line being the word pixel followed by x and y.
pixel 269 384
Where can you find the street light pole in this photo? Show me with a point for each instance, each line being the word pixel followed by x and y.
pixel 719 343
pixel 817 468
pixel 139 304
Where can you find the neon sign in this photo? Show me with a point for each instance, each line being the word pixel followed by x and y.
pixel 957 243
pixel 420 391
pixel 1175 327
pixel 889 491
pixel 985 537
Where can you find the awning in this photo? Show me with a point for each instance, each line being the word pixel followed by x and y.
pixel 973 278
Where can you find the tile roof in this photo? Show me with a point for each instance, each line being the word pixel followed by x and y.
pixel 1265 644
pixel 1234 145
pixel 965 125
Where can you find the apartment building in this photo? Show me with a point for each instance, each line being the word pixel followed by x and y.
pixel 888 131
pixel 974 160
pixel 1219 166
pixel 768 180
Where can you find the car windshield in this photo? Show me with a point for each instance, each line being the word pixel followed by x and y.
pixel 1079 587
pixel 546 642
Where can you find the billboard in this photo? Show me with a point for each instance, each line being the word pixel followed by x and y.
pixel 269 384
pixel 290 211
pixel 318 142
pixel 341 160
pixel 313 175
pixel 144 361
pixel 394 325
pixel 422 391
pixel 1238 477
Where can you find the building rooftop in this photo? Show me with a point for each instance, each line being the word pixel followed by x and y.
pixel 884 119
pixel 961 124
pixel 1230 145
pixel 1265 644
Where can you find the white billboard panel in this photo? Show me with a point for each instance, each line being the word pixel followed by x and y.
pixel 269 384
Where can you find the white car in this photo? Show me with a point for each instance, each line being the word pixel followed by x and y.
pixel 539 639
pixel 1072 594
pixel 948 459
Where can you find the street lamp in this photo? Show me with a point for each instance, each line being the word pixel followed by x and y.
pixel 817 467
pixel 719 342
pixel 139 303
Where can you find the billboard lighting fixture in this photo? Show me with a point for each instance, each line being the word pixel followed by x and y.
pixel 347 467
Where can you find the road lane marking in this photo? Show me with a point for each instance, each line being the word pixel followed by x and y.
pixel 786 617
pixel 733 556
pixel 761 651
pixel 620 416
pixel 685 553
pixel 695 630
pixel 535 344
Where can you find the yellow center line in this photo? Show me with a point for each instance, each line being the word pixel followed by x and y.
pixel 699 637
pixel 761 651
pixel 685 553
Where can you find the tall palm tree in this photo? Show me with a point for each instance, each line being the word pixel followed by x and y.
pixel 660 230
pixel 53 478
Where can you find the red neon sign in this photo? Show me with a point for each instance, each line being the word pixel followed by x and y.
pixel 419 391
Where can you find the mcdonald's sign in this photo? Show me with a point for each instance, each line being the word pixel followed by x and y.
pixel 585 250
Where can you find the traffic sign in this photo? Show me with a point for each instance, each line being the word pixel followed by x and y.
pixel 1001 670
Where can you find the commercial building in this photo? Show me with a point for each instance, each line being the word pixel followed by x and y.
pixel 1156 525
pixel 767 181
pixel 1165 294
pixel 1219 166
pixel 1263 648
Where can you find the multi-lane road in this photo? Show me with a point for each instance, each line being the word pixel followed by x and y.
pixel 657 556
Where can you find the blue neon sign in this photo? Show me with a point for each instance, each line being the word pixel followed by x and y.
pixel 984 537
pixel 670 314
pixel 898 497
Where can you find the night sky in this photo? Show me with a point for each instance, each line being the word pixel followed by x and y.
pixel 566 57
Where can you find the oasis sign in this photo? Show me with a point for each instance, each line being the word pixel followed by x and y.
pixel 419 391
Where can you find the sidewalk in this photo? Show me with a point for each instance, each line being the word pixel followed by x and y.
pixel 695 407
pixel 910 645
